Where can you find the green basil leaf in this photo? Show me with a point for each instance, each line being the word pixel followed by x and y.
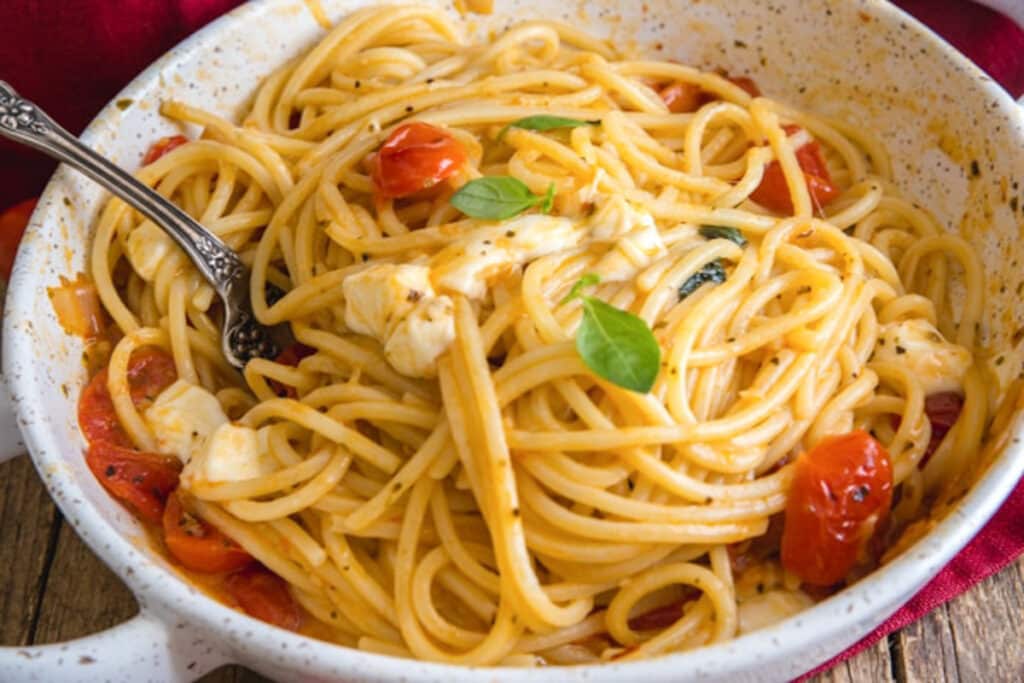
pixel 588 280
pixel 618 346
pixel 710 272
pixel 495 198
pixel 542 122
pixel 549 199
pixel 720 232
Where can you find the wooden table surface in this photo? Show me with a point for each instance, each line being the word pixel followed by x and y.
pixel 55 589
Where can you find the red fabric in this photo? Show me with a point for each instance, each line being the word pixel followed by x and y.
pixel 72 56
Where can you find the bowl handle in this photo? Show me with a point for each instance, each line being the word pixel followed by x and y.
pixel 142 648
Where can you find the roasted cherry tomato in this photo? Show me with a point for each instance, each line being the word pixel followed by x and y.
pixel 12 226
pixel 414 157
pixel 290 356
pixel 140 480
pixel 264 595
pixel 96 416
pixel 294 353
pixel 150 371
pixel 162 147
pixel 747 84
pixel 841 489
pixel 196 544
pixel 773 193
pixel 943 410
pixel 681 97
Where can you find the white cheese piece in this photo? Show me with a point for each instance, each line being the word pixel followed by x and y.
pixel 232 453
pixel 397 305
pixel 770 608
pixel 918 346
pixel 637 244
pixel 470 262
pixel 182 417
pixel 379 297
pixel 617 217
pixel 421 337
pixel 146 247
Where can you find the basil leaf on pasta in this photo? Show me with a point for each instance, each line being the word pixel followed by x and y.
pixel 710 272
pixel 498 198
pixel 715 232
pixel 615 344
pixel 542 122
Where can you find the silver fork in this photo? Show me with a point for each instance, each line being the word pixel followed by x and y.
pixel 242 336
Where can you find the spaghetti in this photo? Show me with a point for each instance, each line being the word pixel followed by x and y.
pixel 439 471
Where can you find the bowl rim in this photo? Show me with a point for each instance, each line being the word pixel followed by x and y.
pixel 845 617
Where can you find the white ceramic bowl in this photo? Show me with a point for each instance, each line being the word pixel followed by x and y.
pixel 958 147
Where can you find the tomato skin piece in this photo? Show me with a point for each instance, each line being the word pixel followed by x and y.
pixel 264 595
pixel 13 222
pixel 197 545
pixel 841 489
pixel 141 481
pixel 162 147
pixel 414 157
pixel 773 192
pixel 681 97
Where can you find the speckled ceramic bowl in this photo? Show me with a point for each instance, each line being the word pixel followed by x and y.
pixel 958 145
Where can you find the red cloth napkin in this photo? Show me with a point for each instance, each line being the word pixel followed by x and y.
pixel 72 57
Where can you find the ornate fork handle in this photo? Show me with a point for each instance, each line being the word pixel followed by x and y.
pixel 243 336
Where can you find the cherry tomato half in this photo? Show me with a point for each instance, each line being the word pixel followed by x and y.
pixel 142 481
pixel 196 544
pixel 943 410
pixel 841 489
pixel 681 97
pixel 414 157
pixel 773 193
pixel 162 147
pixel 150 371
pixel 264 595
pixel 12 226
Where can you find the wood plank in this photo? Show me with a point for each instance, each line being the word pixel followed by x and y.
pixel 27 541
pixel 925 650
pixel 872 665
pixel 988 630
pixel 82 596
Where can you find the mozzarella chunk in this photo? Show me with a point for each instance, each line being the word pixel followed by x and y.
pixel 617 217
pixel 379 297
pixel 470 262
pixel 397 305
pixel 421 337
pixel 232 453
pixel 637 243
pixel 146 247
pixel 182 417
pixel 918 346
pixel 770 608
